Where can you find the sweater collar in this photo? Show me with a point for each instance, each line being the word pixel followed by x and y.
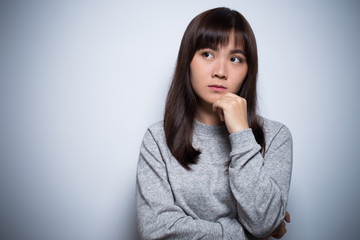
pixel 209 130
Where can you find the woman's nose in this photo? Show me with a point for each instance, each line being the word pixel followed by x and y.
pixel 220 70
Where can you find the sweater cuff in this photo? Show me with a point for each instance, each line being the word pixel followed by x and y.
pixel 242 142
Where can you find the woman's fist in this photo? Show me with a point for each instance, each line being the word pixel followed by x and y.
pixel 233 110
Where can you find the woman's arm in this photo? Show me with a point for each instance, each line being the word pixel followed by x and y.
pixel 158 215
pixel 261 184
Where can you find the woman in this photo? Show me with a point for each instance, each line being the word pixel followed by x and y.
pixel 214 169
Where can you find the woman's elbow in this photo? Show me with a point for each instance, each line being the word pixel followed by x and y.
pixel 264 224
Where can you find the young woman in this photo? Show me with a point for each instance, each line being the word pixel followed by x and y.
pixel 214 169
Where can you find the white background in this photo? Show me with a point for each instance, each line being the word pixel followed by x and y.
pixel 80 81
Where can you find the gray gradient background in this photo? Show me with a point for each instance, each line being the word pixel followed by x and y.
pixel 80 82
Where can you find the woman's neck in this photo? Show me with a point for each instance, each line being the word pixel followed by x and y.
pixel 206 115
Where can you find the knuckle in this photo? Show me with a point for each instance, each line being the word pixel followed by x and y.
pixel 241 100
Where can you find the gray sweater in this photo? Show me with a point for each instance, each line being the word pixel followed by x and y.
pixel 209 202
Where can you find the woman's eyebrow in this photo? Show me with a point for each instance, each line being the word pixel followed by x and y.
pixel 237 51
pixel 231 51
pixel 212 48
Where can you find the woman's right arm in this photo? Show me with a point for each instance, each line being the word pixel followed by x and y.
pixel 158 215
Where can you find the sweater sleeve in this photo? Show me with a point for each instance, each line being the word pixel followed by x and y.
pixel 261 184
pixel 157 214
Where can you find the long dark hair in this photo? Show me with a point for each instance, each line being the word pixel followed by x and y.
pixel 207 30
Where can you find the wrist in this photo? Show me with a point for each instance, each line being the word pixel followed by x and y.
pixel 238 128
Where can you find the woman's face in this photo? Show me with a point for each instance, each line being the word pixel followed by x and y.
pixel 215 72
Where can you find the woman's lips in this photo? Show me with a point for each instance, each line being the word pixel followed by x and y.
pixel 217 87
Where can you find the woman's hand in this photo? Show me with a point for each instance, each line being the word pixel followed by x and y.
pixel 233 110
pixel 281 229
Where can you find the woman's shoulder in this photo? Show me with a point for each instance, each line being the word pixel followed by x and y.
pixel 155 132
pixel 157 127
pixel 274 129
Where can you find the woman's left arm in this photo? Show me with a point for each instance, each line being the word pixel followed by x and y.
pixel 261 184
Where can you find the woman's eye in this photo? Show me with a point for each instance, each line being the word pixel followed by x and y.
pixel 207 55
pixel 236 59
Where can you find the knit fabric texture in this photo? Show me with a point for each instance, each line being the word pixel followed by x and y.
pixel 245 199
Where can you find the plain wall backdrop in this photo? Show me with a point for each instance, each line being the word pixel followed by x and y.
pixel 80 81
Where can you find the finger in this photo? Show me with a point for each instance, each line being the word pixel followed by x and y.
pixel 279 235
pixel 221 114
pixel 279 231
pixel 287 217
pixel 216 106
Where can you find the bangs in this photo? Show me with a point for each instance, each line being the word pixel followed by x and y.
pixel 215 30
